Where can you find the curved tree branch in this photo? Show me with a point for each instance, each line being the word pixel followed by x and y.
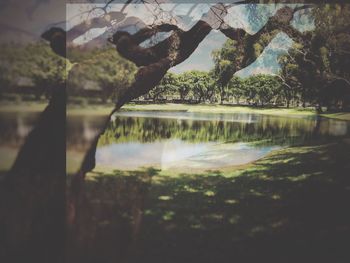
pixel 280 22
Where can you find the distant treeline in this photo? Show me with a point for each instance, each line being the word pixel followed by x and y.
pixel 199 87
pixel 29 71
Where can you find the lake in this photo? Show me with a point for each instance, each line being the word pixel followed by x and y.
pixel 175 139
pixel 192 141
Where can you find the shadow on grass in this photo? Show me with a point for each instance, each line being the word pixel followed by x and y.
pixel 292 206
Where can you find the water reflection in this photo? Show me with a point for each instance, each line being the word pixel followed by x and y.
pixel 200 140
pixel 164 139
pixel 81 131
pixel 185 115
pixel 175 153
pixel 14 128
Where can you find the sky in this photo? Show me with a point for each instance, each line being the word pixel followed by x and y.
pixel 22 21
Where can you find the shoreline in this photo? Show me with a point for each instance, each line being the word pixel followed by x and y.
pixel 215 108
pixel 226 171
pixel 97 110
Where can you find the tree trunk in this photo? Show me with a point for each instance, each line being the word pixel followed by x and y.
pixel 318 108
pixel 33 193
pixel 222 95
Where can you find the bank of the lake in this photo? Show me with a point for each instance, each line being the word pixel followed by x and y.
pixel 204 108
pixel 279 158
pixel 216 108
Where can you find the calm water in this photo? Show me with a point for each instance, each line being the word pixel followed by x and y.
pixel 175 139
pixel 204 141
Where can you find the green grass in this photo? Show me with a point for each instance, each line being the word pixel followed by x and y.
pixel 291 206
pixel 220 109
pixel 106 109
pixel 339 116
pixel 235 109
pixel 91 110
pixel 23 107
pixel 71 110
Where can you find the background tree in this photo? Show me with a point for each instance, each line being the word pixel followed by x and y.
pixel 291 86
pixel 236 88
pixel 105 70
pixel 225 65
pixel 36 64
pixel 184 85
pixel 167 86
pixel 322 58
pixel 202 85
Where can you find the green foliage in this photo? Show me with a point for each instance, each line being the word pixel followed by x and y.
pixel 262 89
pixel 184 85
pixel 225 65
pixel 192 85
pixel 236 88
pixel 100 73
pixel 317 72
pixel 199 86
pixel 167 86
pixel 268 130
pixel 33 67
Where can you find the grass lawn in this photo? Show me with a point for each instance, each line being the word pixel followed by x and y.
pixel 34 107
pixel 219 109
pixel 23 107
pixel 234 109
pixel 339 116
pixel 96 110
pixel 91 110
pixel 291 206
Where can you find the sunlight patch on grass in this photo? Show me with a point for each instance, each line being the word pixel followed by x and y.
pixel 209 193
pixel 23 107
pixel 231 201
pixel 168 215
pixel 234 219
pixel 279 223
pixel 265 177
pixel 197 226
pixel 255 192
pixel 215 217
pixel 190 189
pixel 299 178
pixel 276 197
pixel 165 198
pixel 339 116
pixel 148 212
pixel 256 230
